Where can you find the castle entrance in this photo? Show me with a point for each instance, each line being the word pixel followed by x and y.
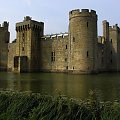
pixel 20 63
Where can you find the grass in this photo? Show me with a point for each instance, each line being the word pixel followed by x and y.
pixel 31 106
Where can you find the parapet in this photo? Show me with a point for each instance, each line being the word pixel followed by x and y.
pixel 55 36
pixel 82 12
pixel 29 23
pixel 74 11
pixel 4 25
pixel 114 27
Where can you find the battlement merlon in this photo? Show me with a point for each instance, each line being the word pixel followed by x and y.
pixel 4 25
pixel 27 18
pixel 82 13
pixel 114 28
pixel 28 23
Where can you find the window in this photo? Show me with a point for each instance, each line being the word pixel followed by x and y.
pixel 87 24
pixel 111 40
pixel 66 46
pixel 28 26
pixel 52 56
pixel 73 39
pixel 65 59
pixel 102 61
pixel 87 54
pixel 111 52
pixel 67 67
pixel 23 35
pixel 22 48
pixel 111 61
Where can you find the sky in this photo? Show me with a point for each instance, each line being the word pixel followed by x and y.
pixel 55 13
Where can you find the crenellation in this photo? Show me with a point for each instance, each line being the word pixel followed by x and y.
pixel 27 18
pixel 84 10
pixel 76 11
pixel 5 24
pixel 93 12
pixel 114 27
pixel 55 36
pixel 82 13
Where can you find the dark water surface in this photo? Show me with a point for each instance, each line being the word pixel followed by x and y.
pixel 107 85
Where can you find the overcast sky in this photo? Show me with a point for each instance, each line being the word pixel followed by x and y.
pixel 54 13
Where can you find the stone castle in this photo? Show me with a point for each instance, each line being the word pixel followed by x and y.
pixel 79 51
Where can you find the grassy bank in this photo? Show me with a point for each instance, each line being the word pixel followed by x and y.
pixel 29 106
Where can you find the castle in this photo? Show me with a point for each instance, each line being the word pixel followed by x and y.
pixel 79 51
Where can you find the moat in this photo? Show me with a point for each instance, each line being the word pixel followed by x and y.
pixel 106 85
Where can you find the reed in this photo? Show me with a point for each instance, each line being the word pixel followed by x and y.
pixel 33 106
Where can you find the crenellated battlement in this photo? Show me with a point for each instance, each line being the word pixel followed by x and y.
pixel 114 27
pixel 4 25
pixel 29 23
pixel 55 36
pixel 82 12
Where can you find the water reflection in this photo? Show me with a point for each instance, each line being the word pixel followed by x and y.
pixel 107 86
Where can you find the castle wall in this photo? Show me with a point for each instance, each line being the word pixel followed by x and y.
pixel 118 51
pixel 78 51
pixel 83 41
pixel 111 46
pixel 4 40
pixel 54 54
pixel 114 48
pixel 11 54
pixel 101 54
pixel 106 44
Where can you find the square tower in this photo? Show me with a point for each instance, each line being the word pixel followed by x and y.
pixel 4 40
pixel 29 33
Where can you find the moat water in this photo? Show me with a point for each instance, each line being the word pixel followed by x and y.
pixel 106 86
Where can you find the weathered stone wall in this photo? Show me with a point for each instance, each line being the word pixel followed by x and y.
pixel 101 54
pixel 114 46
pixel 4 40
pixel 11 54
pixel 118 51
pixel 29 33
pixel 83 41
pixel 54 53
pixel 78 51
pixel 111 46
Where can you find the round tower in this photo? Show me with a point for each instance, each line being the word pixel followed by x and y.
pixel 82 41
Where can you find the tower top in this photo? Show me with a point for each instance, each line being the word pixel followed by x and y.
pixel 27 18
pixel 82 13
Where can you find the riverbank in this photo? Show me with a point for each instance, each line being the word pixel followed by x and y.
pixel 33 106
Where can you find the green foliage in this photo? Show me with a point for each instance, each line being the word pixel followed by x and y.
pixel 31 106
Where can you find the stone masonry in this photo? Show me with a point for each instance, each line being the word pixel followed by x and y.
pixel 79 51
pixel 4 40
